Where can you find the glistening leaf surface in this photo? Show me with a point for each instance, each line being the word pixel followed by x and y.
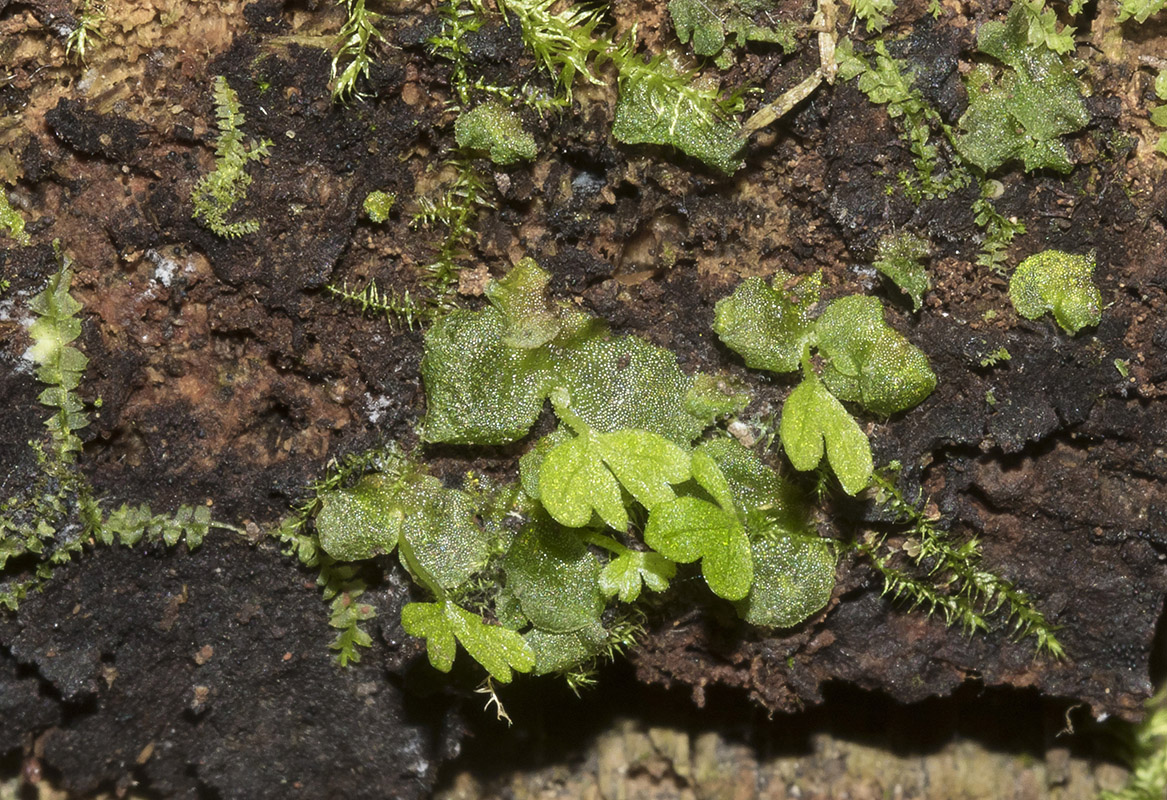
pixel 625 573
pixel 688 528
pixel 359 522
pixel 478 389
pixel 869 362
pixel 766 326
pixel 1060 283
pixel 554 579
pixel 793 578
pixel 627 383
pixel 443 623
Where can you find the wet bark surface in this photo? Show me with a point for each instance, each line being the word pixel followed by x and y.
pixel 228 376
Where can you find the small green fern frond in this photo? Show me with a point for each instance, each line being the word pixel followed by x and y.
pixel 59 365
pixel 217 193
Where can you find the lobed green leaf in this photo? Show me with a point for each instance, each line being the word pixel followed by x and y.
pixel 812 418
pixel 769 327
pixel 868 361
pixel 687 529
pixel 1060 283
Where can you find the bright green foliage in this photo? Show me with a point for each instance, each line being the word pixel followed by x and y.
pixel 1140 10
pixel 616 467
pixel 1158 114
pixel 587 471
pixel 497 130
pixel 661 104
pixel 866 362
pixel 1019 113
pixel 346 614
pixel 130 524
pixel 443 623
pixel 793 578
pixel 711 25
pixel 488 372
pixel 352 46
pixel 869 362
pixel 688 528
pixel 812 418
pixel 625 573
pixel 378 204
pixel 59 365
pixel 217 193
pixel 11 221
pixel 625 382
pixel 478 388
pixel 359 522
pixel 1043 28
pixel 1060 283
pixel 90 14
pixel 767 325
pixel 554 579
pixel 794 569
pixel 712 397
pixel 434 526
pixel 563 42
pixel 900 258
pixel 874 13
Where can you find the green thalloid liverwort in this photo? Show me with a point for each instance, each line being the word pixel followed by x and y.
pixel 637 479
pixel 541 575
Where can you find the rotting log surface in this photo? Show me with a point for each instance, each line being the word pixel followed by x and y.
pixel 226 374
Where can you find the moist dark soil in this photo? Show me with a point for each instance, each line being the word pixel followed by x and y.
pixel 228 375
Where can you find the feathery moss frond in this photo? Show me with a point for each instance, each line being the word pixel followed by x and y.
pixel 217 193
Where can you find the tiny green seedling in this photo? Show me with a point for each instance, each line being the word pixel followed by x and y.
pixel 11 221
pixel 1060 283
pixel 901 259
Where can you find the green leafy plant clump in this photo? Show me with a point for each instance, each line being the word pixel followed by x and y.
pixel 1020 113
pixel 541 575
pixel 498 131
pixel 1058 283
pixel 52 518
pixel 863 361
pixel 637 480
pixel 900 259
pixel 718 29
